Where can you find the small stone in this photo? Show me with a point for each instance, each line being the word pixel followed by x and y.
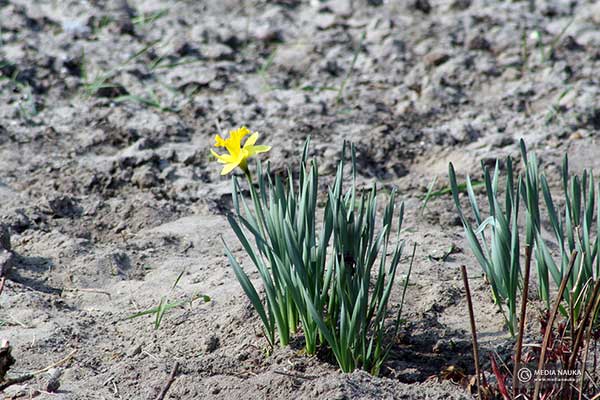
pixel 479 42
pixel 121 227
pixel 511 74
pixel 295 58
pixel 342 8
pixel 460 4
pixel 575 136
pixel 439 346
pixel 268 34
pixel 501 140
pixel 6 359
pixel 63 206
pixel 53 383
pixel 325 21
pixel 111 91
pixel 570 43
pixel 217 52
pixel 422 5
pixel 144 177
pixel 77 29
pixel 435 58
pixel 404 107
pixel 6 261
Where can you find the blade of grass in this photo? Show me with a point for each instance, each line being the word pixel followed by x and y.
pixel 428 195
pixel 339 98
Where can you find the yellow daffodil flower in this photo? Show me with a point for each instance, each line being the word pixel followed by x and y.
pixel 238 155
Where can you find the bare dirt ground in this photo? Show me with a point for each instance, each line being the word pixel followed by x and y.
pixel 108 109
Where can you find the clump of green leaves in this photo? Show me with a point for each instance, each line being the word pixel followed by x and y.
pixel 495 239
pixel 573 231
pixel 498 252
pixel 317 277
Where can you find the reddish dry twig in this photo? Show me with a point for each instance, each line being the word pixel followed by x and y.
pixel 581 329
pixel 463 270
pixel 551 318
pixel 519 350
pixel 587 347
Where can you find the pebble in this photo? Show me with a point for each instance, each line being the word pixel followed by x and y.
pixel 460 4
pixel 435 58
pixel 64 206
pixel 342 8
pixel 422 5
pixel 144 177
pixel 217 51
pixel 294 58
pixel 53 382
pixel 479 42
pixel 325 21
pixel 267 33
pixel 76 28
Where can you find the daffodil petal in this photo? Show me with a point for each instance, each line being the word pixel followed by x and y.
pixel 237 135
pixel 219 141
pixel 251 140
pixel 261 149
pixel 223 159
pixel 228 168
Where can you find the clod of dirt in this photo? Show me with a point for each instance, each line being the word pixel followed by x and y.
pixel 76 28
pixel 211 343
pixel 6 261
pixel 341 8
pixel 6 359
pixel 112 91
pixel 479 42
pixel 5 238
pixel 422 5
pixel 217 51
pixel 145 177
pixel 64 207
pixel 460 4
pixel 435 58
pixel 134 350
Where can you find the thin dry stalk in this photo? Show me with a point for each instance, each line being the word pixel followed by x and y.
pixel 463 270
pixel 167 386
pixel 552 317
pixel 519 350
pixel 587 346
pixel 581 329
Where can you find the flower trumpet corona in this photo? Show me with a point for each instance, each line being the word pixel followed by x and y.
pixel 238 154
